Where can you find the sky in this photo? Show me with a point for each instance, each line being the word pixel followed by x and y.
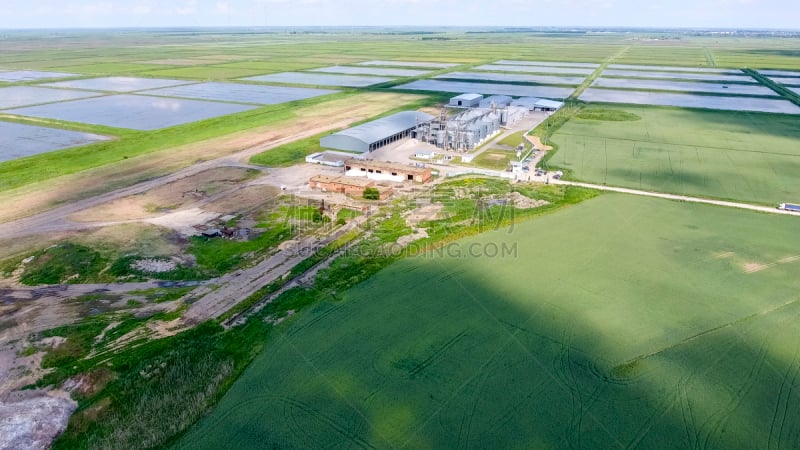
pixel 782 14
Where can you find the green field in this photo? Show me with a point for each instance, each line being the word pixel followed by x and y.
pixel 620 322
pixel 742 156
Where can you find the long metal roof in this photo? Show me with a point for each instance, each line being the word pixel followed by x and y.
pixel 385 127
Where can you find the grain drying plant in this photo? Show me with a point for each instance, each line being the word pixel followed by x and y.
pixel 470 127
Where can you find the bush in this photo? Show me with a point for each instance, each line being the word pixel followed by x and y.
pixel 372 194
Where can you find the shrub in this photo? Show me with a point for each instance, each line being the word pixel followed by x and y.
pixel 372 194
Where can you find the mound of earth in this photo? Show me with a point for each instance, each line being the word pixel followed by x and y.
pixel 150 265
pixel 522 202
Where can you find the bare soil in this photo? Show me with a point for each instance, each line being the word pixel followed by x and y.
pixel 522 202
pixel 244 199
pixel 537 143
pixel 169 197
pixel 32 419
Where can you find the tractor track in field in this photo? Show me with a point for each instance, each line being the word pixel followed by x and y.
pixel 681 396
pixel 718 420
pixel 784 397
pixel 437 354
pixel 465 427
pixel 292 405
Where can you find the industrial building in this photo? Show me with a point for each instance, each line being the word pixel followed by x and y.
pixel 538 104
pixel 347 185
pixel 466 100
pixel 385 171
pixel 373 135
pixel 495 101
pixel 468 129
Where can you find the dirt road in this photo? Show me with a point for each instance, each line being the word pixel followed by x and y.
pixel 682 198
pixel 237 286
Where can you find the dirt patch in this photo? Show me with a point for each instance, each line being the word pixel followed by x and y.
pixel 31 420
pixel 244 199
pixel 150 265
pixel 169 197
pixel 537 143
pixel 724 255
pixel 419 233
pixel 163 329
pixel 184 222
pixel 424 213
pixel 753 267
pixel 90 383
pixel 522 202
pixel 495 156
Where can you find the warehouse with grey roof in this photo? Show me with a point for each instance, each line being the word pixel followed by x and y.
pixel 376 134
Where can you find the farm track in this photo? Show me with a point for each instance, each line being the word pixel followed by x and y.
pixel 300 279
pixel 682 198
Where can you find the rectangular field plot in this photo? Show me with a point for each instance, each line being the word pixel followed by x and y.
pixel 118 84
pixel 536 69
pixel 786 81
pixel 690 101
pixel 16 96
pixel 379 71
pixel 241 93
pixel 20 141
pixel 685 86
pixel 780 73
pixel 319 79
pixel 747 157
pixel 423 64
pixel 513 77
pixel 675 69
pixel 546 63
pixel 647 328
pixel 680 76
pixel 32 75
pixel 135 112
pixel 488 88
